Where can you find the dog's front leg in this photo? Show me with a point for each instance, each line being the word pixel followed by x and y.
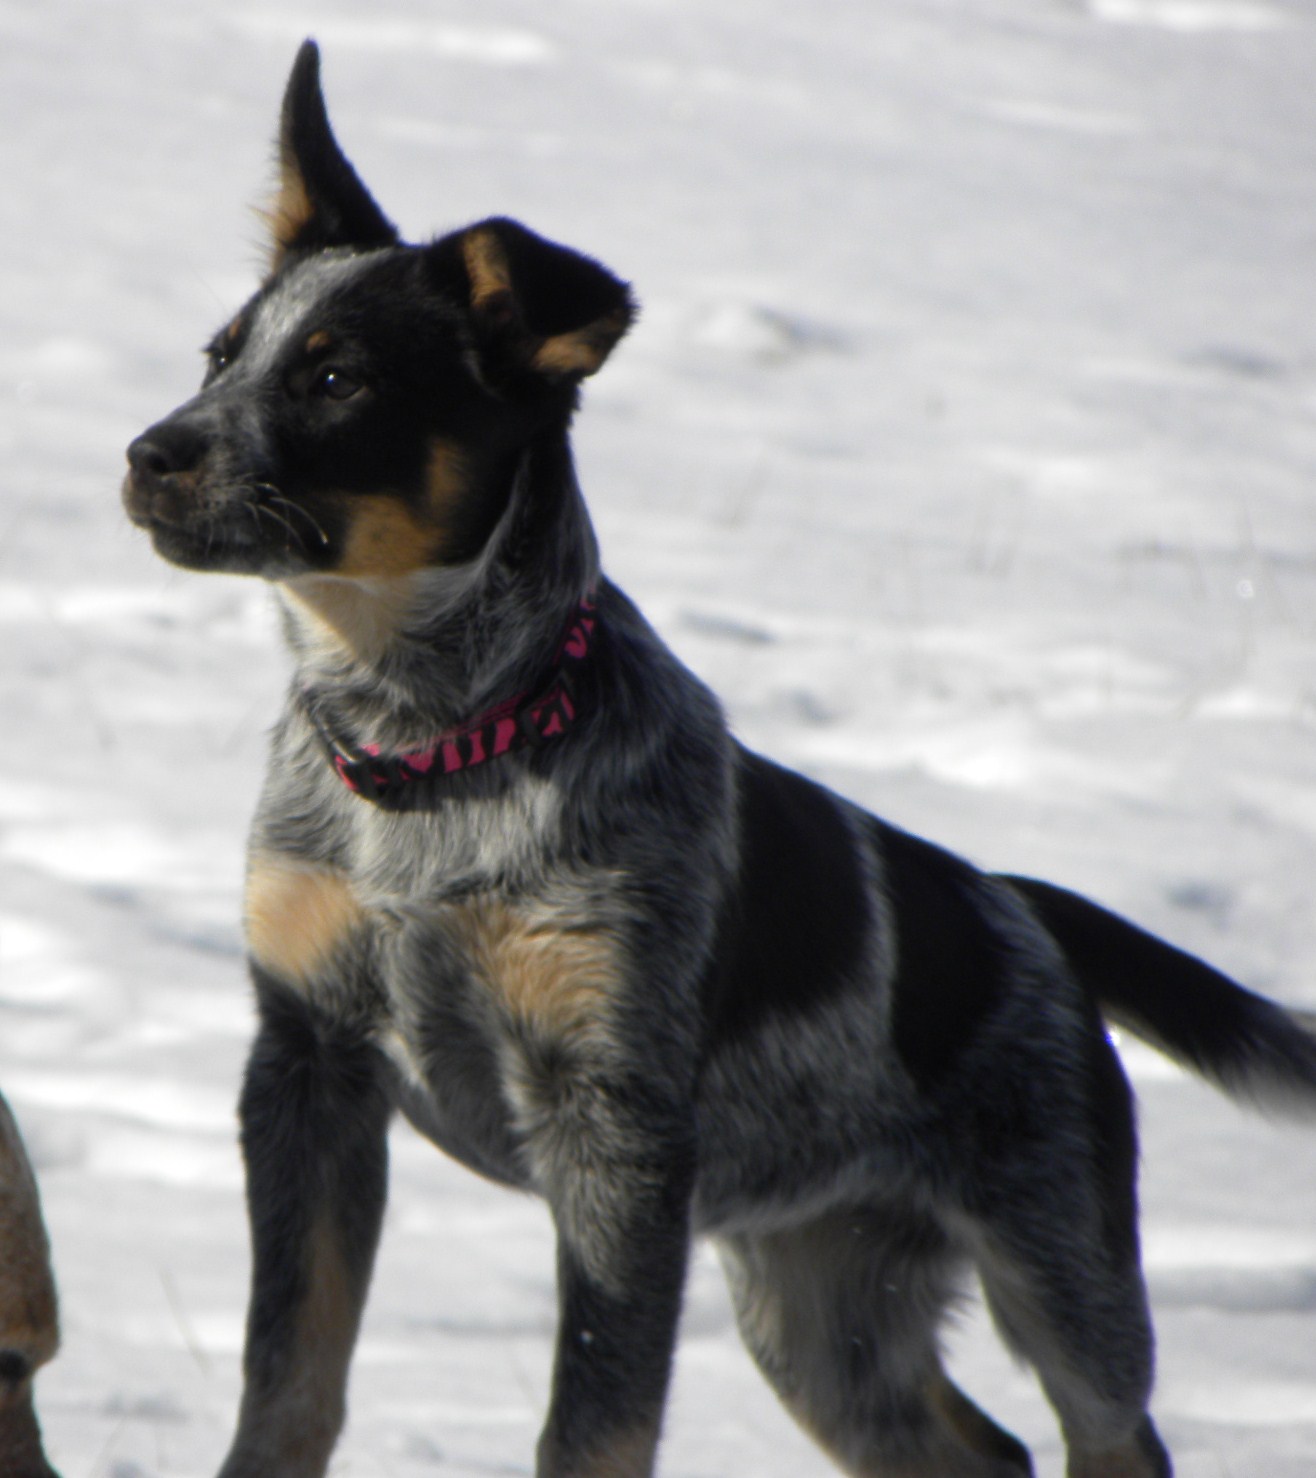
pixel 620 1191
pixel 314 1114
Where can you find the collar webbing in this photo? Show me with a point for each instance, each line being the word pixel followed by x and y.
pixel 525 721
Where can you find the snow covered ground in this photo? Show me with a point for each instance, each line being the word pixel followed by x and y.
pixel 966 446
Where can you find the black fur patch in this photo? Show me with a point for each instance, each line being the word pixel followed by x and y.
pixel 795 927
pixel 949 962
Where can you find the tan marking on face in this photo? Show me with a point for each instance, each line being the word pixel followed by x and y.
pixel 297 915
pixel 389 536
pixel 542 970
pixel 318 342
pixel 386 538
pixel 447 480
pixel 29 1323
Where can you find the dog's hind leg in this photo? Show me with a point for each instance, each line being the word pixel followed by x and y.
pixel 1080 1318
pixel 314 1116
pixel 1092 1349
pixel 1056 1241
pixel 841 1317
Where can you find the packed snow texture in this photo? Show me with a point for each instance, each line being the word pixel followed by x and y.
pixel 965 446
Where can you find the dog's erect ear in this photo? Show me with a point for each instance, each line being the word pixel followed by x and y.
pixel 321 202
pixel 536 308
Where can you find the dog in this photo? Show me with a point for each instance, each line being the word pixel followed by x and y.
pixel 29 1315
pixel 511 876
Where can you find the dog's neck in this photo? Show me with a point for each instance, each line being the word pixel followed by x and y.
pixel 400 660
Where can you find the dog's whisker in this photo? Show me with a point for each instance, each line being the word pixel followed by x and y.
pixel 269 511
pixel 270 500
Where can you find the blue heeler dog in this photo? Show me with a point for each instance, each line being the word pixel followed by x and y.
pixel 511 875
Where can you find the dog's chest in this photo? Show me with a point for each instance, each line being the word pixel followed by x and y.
pixel 468 986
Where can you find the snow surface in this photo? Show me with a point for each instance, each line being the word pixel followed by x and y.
pixel 965 445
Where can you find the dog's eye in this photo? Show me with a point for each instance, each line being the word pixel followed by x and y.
pixel 335 384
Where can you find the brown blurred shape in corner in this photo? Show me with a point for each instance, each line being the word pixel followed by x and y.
pixel 29 1322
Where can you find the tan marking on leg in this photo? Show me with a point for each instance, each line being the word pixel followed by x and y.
pixel 297 915
pixel 291 1430
pixel 858 1371
pixel 551 989
pixel 1126 1461
pixel 628 1454
pixel 945 1455
pixel 972 1426
pixel 29 1324
pixel 543 970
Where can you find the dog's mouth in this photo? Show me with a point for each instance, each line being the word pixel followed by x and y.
pixel 244 529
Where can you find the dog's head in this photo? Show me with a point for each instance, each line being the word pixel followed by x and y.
pixel 362 415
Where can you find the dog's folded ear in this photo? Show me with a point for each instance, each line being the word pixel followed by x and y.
pixel 320 202
pixel 536 309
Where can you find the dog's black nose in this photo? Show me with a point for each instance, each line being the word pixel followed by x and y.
pixel 148 459
pixel 167 448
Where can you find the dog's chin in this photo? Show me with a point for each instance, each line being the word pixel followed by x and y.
pixel 225 540
pixel 220 547
pixel 207 549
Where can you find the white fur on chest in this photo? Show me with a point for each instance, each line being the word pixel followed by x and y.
pixel 401 859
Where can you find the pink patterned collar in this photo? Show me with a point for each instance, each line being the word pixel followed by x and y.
pixel 525 721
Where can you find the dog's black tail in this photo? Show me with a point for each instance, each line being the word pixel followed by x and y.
pixel 1242 1042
